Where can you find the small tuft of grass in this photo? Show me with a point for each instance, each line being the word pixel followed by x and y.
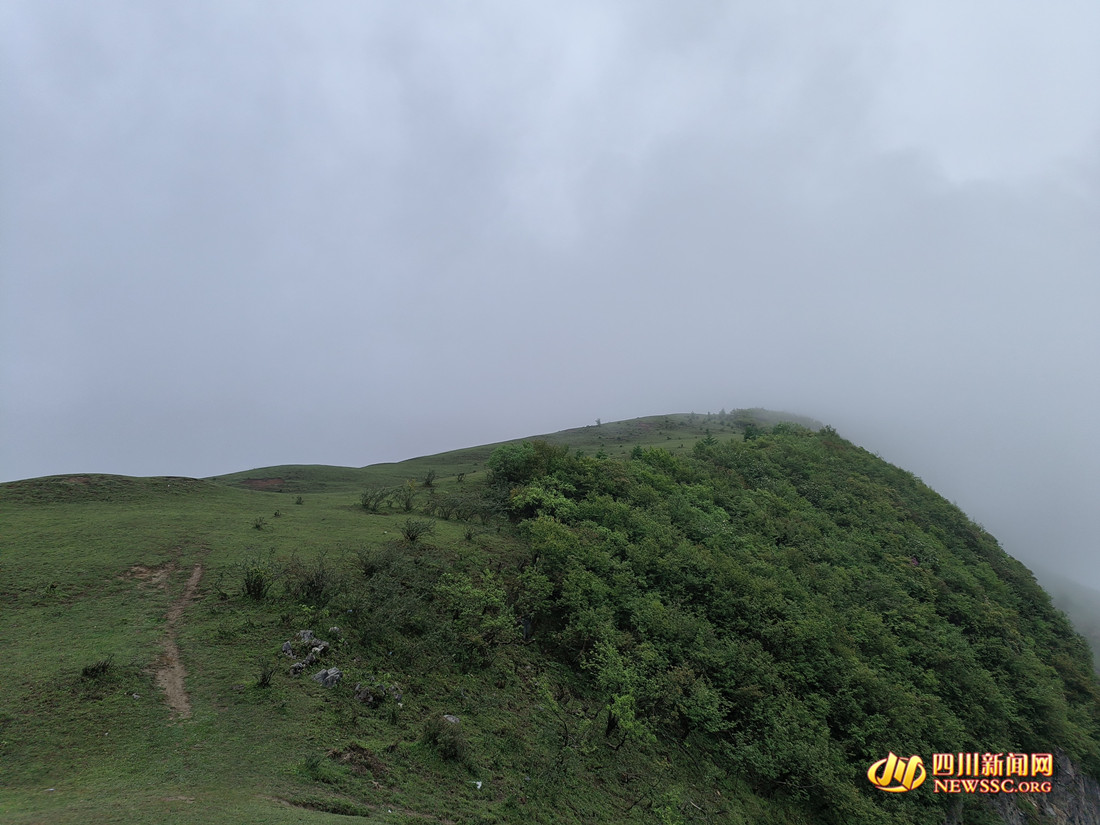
pixel 320 768
pixel 312 765
pixel 97 670
pixel 267 670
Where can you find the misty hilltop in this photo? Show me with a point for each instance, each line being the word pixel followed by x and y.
pixel 691 618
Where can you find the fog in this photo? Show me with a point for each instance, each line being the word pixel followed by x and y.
pixel 238 234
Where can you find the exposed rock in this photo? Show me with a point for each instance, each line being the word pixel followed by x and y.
pixel 369 695
pixel 450 717
pixel 334 631
pixel 376 694
pixel 320 648
pixel 298 667
pixel 329 677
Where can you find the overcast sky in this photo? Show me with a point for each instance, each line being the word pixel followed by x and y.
pixel 237 234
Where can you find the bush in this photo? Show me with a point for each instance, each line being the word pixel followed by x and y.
pixel 480 617
pixel 260 523
pixel 406 495
pixel 512 464
pixel 415 529
pixel 263 679
pixel 373 498
pixel 314 582
pixel 373 560
pixel 258 573
pixel 445 738
pixel 444 506
pixel 256 583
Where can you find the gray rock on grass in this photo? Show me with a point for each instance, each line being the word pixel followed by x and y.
pixel 328 678
pixel 298 667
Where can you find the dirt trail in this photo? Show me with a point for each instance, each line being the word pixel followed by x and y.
pixel 170 671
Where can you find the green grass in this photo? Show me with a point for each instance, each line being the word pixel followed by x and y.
pixel 70 597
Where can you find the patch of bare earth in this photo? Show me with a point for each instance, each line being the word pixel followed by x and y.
pixel 153 576
pixel 170 671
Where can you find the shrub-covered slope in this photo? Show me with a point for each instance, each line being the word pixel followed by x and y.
pixel 789 608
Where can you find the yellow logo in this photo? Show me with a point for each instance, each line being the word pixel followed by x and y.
pixel 907 773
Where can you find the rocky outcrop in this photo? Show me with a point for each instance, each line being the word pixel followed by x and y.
pixel 328 678
pixel 373 695
pixel 318 648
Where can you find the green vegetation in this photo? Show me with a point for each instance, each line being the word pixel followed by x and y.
pixel 601 631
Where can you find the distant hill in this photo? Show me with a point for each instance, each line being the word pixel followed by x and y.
pixel 1081 604
pixel 693 618
pixel 676 432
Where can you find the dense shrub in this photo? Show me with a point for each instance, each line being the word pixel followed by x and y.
pixel 446 738
pixel 313 582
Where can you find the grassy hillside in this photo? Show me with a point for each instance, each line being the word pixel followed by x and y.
pixel 658 620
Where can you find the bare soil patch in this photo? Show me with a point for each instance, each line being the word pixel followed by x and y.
pixel 170 672
pixel 150 576
pixel 361 760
